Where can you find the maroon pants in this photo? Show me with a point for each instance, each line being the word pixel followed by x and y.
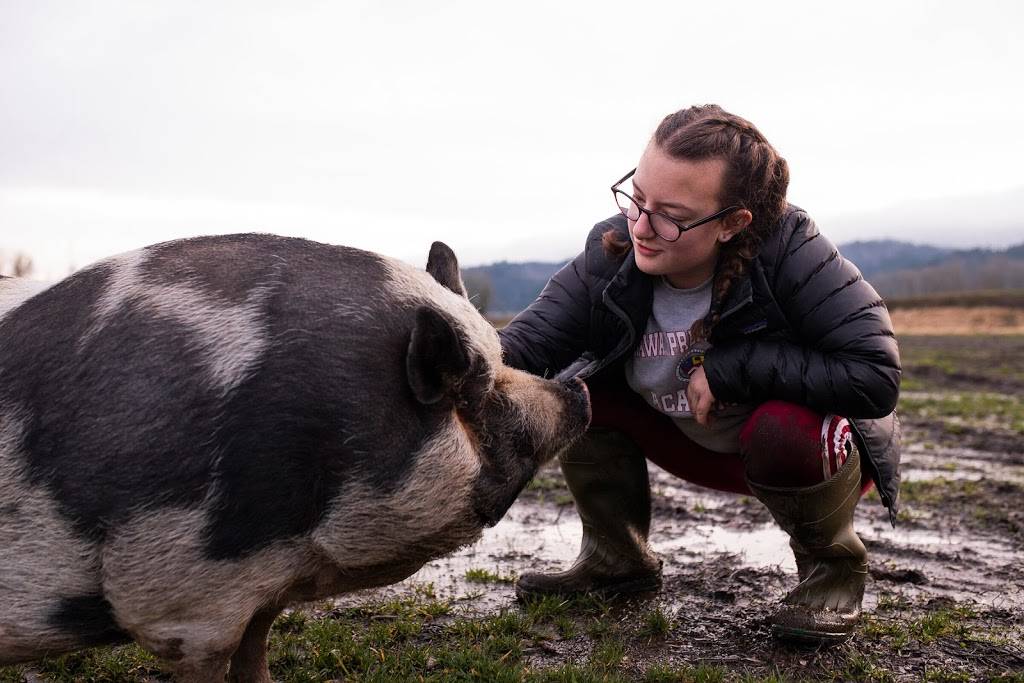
pixel 781 444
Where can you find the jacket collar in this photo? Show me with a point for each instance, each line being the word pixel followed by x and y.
pixel 741 294
pixel 633 292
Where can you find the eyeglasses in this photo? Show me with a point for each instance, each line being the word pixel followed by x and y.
pixel 666 227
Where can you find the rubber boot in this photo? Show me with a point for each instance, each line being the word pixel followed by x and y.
pixel 831 559
pixel 607 475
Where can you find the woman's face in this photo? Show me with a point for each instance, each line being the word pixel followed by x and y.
pixel 686 191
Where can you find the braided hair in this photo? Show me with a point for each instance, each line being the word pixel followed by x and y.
pixel 755 178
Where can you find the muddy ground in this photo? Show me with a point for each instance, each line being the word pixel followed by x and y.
pixel 945 601
pixel 946 595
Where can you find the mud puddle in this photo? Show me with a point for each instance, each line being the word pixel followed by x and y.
pixel 694 529
pixel 928 461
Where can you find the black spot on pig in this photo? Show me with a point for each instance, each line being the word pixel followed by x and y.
pixel 201 262
pixel 132 408
pixel 90 619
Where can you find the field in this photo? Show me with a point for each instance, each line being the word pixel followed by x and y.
pixel 945 599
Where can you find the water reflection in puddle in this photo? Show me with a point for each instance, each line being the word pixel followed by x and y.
pixel 760 546
pixel 535 537
pixel 544 537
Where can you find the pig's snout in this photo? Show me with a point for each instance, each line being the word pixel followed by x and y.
pixel 569 421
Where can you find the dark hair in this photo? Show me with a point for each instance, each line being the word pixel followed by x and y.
pixel 755 178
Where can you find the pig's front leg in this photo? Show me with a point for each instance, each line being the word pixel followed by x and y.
pixel 249 663
pixel 208 670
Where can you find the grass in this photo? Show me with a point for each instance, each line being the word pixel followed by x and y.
pixel 956 409
pixel 543 482
pixel 486 576
pixel 419 638
pixel 930 361
pixel 949 623
pixel 698 674
pixel 544 485
pixel 655 624
pixel 942 491
pixel 936 491
pixel 102 665
pixel 981 504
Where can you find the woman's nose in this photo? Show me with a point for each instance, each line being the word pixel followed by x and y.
pixel 642 227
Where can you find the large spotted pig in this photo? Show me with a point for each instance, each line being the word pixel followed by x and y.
pixel 199 433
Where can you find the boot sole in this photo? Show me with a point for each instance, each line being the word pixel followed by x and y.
pixel 798 635
pixel 648 584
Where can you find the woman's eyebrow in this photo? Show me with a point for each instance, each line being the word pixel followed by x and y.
pixel 667 205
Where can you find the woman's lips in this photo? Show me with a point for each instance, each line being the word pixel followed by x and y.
pixel 645 251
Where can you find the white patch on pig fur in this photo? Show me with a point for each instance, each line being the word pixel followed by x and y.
pixel 365 528
pixel 176 601
pixel 231 338
pixel 407 284
pixel 42 558
pixel 15 291
pixel 122 284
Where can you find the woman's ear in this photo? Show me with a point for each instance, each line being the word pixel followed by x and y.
pixel 734 223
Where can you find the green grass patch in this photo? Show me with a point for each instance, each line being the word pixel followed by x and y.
pixel 943 491
pixel 937 491
pixel 956 623
pixel 125 663
pixel 655 624
pixel 543 482
pixel 702 673
pixel 860 667
pixel 486 576
pixel 945 623
pixel 958 409
pixel 931 361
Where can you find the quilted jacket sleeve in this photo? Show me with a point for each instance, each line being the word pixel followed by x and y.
pixel 841 356
pixel 551 332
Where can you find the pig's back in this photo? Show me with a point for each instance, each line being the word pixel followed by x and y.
pixel 250 375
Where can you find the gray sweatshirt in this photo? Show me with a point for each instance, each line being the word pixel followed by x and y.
pixel 654 371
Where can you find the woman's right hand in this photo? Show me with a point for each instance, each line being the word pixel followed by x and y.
pixel 700 398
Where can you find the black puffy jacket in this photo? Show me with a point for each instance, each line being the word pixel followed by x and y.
pixel 801 326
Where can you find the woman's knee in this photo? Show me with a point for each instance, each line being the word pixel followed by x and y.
pixel 786 444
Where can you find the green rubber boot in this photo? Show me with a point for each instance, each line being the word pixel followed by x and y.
pixel 831 559
pixel 607 475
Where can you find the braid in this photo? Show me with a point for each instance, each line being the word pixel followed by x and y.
pixel 755 178
pixel 732 266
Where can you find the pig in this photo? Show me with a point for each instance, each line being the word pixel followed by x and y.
pixel 200 433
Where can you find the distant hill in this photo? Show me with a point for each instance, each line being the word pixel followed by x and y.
pixel 896 269
pixel 881 256
pixel 504 287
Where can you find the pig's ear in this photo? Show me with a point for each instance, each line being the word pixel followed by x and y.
pixel 436 359
pixel 442 264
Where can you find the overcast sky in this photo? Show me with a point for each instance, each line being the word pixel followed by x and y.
pixel 494 127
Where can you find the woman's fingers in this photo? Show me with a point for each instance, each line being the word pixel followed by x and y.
pixel 702 401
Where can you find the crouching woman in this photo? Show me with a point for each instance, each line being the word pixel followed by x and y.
pixel 724 338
